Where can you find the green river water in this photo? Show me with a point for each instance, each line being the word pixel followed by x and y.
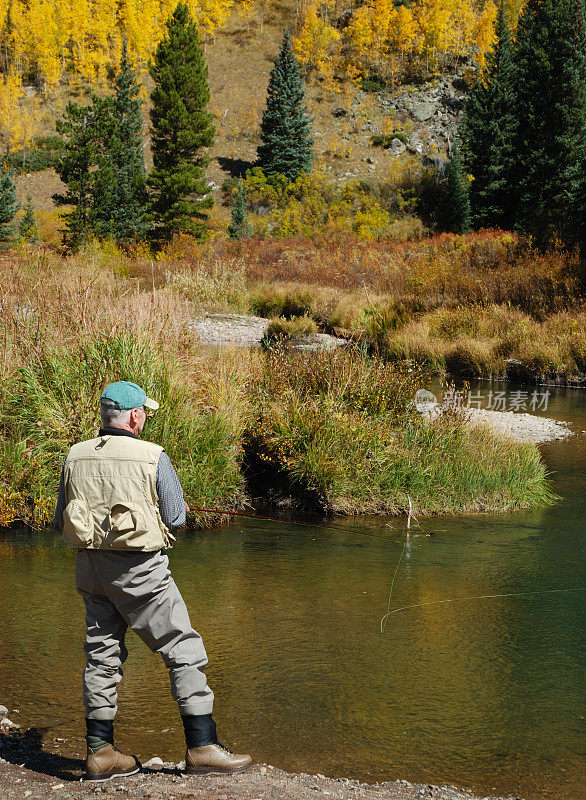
pixel 486 694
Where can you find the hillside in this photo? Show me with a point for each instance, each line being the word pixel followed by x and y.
pixel 345 118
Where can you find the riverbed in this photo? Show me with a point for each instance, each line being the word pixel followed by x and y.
pixel 484 693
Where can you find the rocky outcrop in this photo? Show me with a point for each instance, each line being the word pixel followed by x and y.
pixel 433 111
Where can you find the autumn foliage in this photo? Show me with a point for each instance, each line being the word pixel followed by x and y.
pixel 392 42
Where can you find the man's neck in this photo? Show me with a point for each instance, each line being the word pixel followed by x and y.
pixel 111 431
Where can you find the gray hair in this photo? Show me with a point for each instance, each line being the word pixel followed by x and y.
pixel 114 417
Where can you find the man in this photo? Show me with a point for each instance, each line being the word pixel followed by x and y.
pixel 119 497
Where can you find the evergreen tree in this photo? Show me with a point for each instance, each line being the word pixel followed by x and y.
pixel 550 107
pixel 119 191
pixel 8 207
pixel 80 130
pixel 28 224
pixel 574 230
pixel 239 226
pixel 456 197
pixel 287 144
pixel 488 131
pixel 181 127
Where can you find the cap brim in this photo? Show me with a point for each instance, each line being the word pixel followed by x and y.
pixel 152 404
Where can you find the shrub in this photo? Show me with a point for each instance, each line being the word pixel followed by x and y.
pixel 44 153
pixel 372 83
pixel 288 330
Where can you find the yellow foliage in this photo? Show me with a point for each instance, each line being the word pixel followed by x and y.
pixel 370 223
pixel 483 33
pixel 16 124
pixel 383 40
pixel 314 44
pixel 52 37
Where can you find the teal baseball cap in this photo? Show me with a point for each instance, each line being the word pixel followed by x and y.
pixel 124 395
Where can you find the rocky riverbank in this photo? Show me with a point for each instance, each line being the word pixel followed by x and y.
pixel 245 330
pixel 30 769
pixel 515 425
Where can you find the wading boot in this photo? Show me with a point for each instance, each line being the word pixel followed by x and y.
pixel 107 762
pixel 214 759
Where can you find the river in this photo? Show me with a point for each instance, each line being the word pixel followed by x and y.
pixel 483 693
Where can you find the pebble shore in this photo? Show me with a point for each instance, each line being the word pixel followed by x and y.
pixel 31 770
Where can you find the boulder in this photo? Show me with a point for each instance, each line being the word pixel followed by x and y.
pixel 396 148
pixel 423 110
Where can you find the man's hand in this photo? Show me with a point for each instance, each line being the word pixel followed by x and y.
pixel 187 509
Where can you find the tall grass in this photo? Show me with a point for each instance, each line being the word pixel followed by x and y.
pixel 341 427
pixel 338 426
pixel 65 335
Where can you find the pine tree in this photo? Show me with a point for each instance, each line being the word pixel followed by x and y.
pixel 550 107
pixel 28 224
pixel 8 207
pixel 181 127
pixel 574 229
pixel 119 192
pixel 287 144
pixel 488 131
pixel 574 232
pixel 456 197
pixel 239 226
pixel 79 129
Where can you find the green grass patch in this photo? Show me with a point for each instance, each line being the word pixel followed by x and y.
pixel 341 427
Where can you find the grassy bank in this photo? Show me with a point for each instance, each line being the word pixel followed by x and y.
pixel 334 427
pixel 484 305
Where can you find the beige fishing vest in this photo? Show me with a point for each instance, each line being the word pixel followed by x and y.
pixel 112 503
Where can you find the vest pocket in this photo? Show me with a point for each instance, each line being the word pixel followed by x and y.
pixel 78 524
pixel 123 520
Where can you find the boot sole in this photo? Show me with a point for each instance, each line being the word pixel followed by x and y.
pixel 212 771
pixel 100 777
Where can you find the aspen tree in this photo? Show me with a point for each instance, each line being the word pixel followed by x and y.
pixel 315 43
pixel 16 125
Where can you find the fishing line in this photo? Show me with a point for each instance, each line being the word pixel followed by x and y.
pixel 383 621
pixel 475 597
pixel 385 618
pixel 290 522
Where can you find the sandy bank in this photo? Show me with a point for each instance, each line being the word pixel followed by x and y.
pixel 521 427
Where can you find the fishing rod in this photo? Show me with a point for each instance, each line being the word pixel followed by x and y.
pixel 288 521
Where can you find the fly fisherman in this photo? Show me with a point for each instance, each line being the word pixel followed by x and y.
pixel 119 497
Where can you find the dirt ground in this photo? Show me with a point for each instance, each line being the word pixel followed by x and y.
pixel 29 771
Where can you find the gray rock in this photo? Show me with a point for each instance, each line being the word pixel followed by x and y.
pixel 396 147
pixel 319 341
pixel 3 711
pixel 423 110
pixel 414 142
